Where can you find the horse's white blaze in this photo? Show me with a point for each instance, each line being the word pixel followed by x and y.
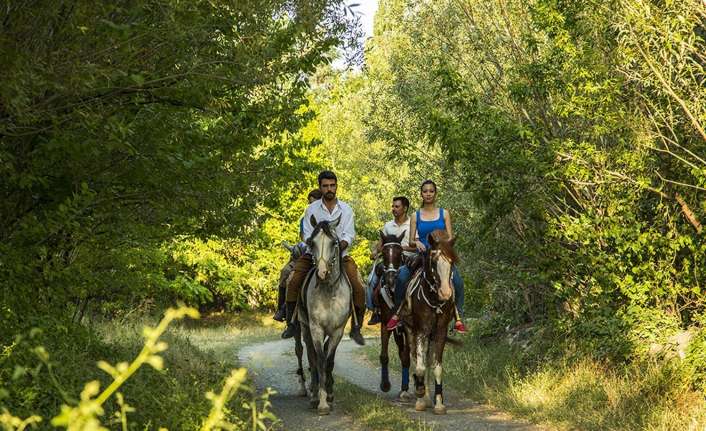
pixel 443 266
pixel 322 249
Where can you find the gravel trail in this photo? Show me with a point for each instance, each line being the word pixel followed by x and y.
pixel 273 364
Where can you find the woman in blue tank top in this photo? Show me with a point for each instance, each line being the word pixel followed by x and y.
pixel 426 220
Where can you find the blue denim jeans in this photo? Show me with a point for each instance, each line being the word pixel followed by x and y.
pixel 403 278
pixel 372 282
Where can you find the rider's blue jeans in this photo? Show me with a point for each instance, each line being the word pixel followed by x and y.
pixel 404 275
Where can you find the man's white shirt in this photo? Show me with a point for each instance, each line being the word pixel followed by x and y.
pixel 392 228
pixel 346 226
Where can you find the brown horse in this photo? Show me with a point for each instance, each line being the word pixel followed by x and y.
pixel 392 259
pixel 429 310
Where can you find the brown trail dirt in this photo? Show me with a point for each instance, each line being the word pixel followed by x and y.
pixel 273 364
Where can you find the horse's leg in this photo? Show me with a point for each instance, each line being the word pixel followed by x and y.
pixel 384 359
pixel 299 350
pixel 333 342
pixel 317 337
pixel 439 343
pixel 420 347
pixel 403 352
pixel 311 358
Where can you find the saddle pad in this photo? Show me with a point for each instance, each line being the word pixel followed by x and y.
pixel 413 285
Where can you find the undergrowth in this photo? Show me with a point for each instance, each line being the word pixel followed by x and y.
pixel 53 375
pixel 580 393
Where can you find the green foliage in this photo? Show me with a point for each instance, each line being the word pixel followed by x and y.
pixel 124 126
pixel 576 130
pixel 182 373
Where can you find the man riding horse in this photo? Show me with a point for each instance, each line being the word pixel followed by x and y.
pixel 399 225
pixel 328 208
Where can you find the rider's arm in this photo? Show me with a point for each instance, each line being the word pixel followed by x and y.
pixel 347 228
pixel 307 228
pixel 413 232
pixel 447 221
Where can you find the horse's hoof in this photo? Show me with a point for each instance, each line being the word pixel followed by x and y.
pixel 385 386
pixel 323 411
pixel 420 405
pixel 405 396
pixel 440 410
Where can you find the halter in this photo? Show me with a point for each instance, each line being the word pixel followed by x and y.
pixel 335 264
pixel 390 268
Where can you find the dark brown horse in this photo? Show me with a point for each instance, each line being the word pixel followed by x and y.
pixel 429 309
pixel 392 259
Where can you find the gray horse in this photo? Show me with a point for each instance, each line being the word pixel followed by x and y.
pixel 324 309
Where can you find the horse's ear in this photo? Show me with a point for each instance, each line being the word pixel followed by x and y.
pixel 334 224
pixel 312 220
pixel 401 237
pixel 382 237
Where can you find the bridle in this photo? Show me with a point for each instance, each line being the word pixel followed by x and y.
pixel 432 284
pixel 390 268
pixel 336 254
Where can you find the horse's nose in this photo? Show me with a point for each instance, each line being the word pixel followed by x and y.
pixel 445 291
pixel 322 272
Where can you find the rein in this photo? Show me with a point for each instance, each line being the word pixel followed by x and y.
pixel 391 268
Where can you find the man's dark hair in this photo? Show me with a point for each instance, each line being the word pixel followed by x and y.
pixel 316 194
pixel 327 175
pixel 427 182
pixel 404 200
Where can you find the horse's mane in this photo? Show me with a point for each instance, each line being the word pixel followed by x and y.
pixel 442 241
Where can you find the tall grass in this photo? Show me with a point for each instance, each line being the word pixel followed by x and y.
pixel 573 394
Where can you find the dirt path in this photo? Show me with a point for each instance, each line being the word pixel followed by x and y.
pixel 273 365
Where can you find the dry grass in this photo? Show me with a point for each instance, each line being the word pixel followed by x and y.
pixel 581 395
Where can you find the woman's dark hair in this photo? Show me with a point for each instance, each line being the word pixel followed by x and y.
pixel 404 200
pixel 316 194
pixel 427 182
pixel 327 175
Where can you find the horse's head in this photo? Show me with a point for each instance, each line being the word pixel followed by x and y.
pixel 391 256
pixel 325 249
pixel 441 258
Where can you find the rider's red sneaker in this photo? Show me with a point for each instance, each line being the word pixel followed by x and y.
pixel 460 327
pixel 392 323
